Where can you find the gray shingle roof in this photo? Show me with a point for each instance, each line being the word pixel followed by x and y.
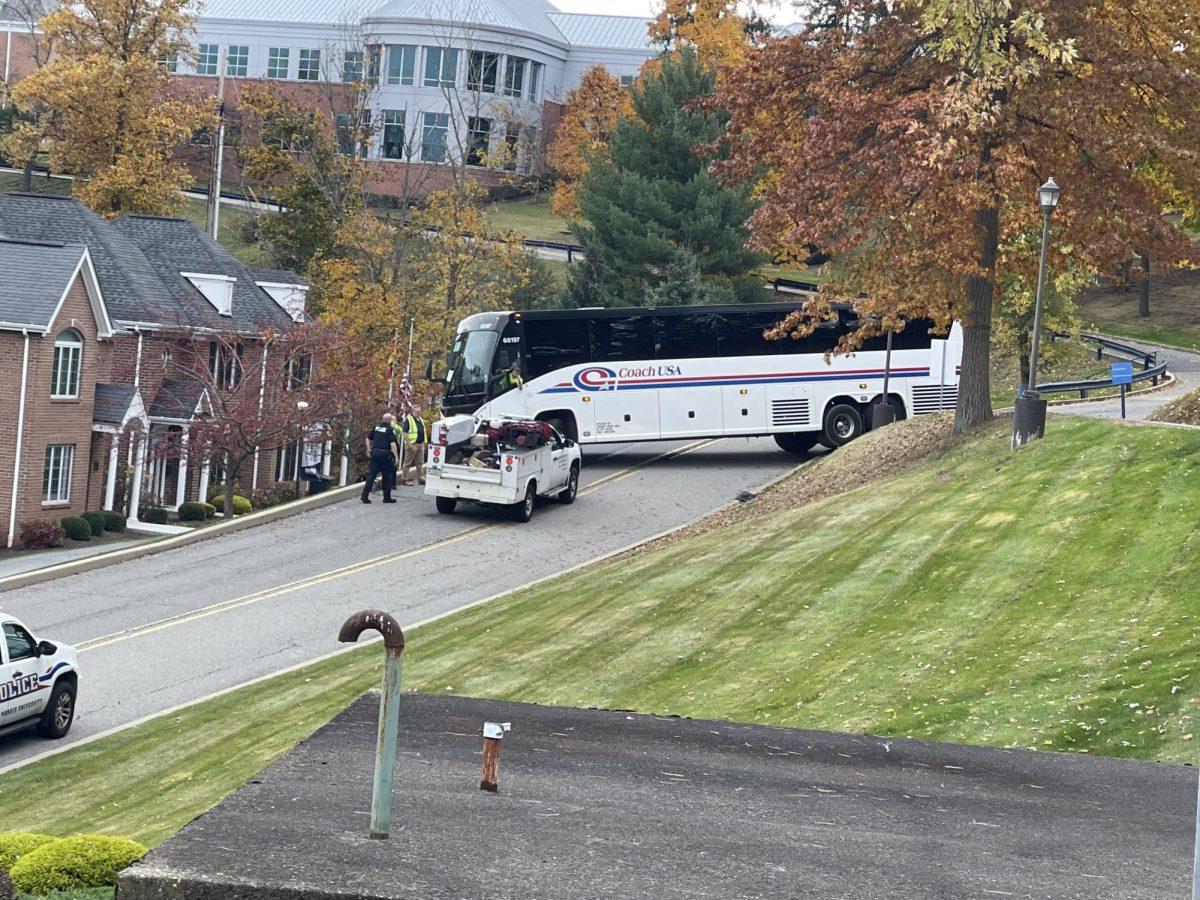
pixel 177 398
pixel 113 402
pixel 175 245
pixel 34 277
pixel 132 291
pixel 276 276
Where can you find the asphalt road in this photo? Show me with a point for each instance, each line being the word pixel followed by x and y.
pixel 1183 364
pixel 167 629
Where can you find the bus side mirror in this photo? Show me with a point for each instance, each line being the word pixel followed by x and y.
pixel 429 376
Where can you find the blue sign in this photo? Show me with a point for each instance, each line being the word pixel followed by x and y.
pixel 1122 373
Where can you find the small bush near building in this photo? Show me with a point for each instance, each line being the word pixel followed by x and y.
pixel 113 520
pixel 41 534
pixel 280 492
pixel 209 510
pixel 16 844
pixel 77 529
pixel 155 515
pixel 241 506
pixel 191 511
pixel 95 520
pixel 74 863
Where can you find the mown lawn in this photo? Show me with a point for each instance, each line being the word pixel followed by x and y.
pixel 1060 361
pixel 1044 599
pixel 531 218
pixel 1174 310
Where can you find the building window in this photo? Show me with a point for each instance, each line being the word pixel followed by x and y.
pixel 512 146
pixel 514 76
pixel 482 71
pixel 207 57
pixel 433 138
pixel 237 61
pixel 402 64
pixel 278 62
pixel 170 63
pixel 226 367
pixel 393 134
pixel 441 67
pixel 310 65
pixel 352 66
pixel 627 81
pixel 479 140
pixel 535 81
pixel 56 477
pixel 374 52
pixel 287 462
pixel 68 352
pixel 299 371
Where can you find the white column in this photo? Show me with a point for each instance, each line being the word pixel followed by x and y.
pixel 181 479
pixel 327 457
pixel 344 478
pixel 139 469
pixel 204 481
pixel 110 483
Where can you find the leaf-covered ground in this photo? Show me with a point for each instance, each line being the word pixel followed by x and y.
pixel 1183 410
pixel 1042 599
pixel 1174 310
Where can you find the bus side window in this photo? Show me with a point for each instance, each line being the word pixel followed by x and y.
pixel 741 334
pixel 622 339
pixel 554 344
pixel 686 336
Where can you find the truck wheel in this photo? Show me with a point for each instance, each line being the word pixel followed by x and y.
pixel 523 511
pixel 572 489
pixel 445 505
pixel 799 442
pixel 60 711
pixel 843 423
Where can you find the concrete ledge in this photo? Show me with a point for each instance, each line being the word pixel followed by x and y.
pixel 100 560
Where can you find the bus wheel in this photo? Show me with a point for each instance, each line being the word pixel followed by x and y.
pixel 843 423
pixel 799 442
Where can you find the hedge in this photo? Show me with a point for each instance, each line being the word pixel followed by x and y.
pixel 95 520
pixel 155 515
pixel 74 863
pixel 76 529
pixel 40 534
pixel 191 511
pixel 16 844
pixel 113 520
pixel 241 506
pixel 209 510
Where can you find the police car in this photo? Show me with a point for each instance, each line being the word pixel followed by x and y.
pixel 38 682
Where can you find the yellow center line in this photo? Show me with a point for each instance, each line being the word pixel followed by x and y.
pixel 352 569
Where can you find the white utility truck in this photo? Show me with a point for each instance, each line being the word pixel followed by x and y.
pixel 500 462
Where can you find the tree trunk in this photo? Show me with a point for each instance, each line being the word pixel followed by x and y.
pixel 1127 275
pixel 974 387
pixel 27 175
pixel 227 506
pixel 1144 288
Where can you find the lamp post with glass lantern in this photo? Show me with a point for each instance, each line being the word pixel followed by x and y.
pixel 1029 412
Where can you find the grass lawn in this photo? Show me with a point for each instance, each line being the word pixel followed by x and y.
pixel 40 184
pixel 85 894
pixel 531 218
pixel 1060 361
pixel 1174 310
pixel 1043 599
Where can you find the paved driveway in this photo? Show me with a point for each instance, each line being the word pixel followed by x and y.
pixel 1183 364
pixel 166 629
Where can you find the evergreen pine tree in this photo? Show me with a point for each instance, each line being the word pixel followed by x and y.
pixel 655 196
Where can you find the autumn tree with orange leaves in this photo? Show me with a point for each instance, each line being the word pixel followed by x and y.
pixel 592 110
pixel 719 30
pixel 908 139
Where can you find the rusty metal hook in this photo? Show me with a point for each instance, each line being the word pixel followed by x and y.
pixel 373 620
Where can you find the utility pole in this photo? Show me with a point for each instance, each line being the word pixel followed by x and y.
pixel 214 189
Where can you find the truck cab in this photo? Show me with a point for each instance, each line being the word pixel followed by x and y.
pixel 39 682
pixel 500 462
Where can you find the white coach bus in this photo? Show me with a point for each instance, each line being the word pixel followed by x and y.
pixel 645 374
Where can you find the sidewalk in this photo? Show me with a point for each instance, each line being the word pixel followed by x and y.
pixel 17 563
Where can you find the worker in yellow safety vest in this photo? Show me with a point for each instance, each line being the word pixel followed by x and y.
pixel 411 432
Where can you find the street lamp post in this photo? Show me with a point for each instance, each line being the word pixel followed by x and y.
pixel 1029 410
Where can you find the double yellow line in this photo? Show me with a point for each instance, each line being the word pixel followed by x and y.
pixel 354 568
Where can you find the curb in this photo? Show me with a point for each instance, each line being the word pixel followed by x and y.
pixel 102 560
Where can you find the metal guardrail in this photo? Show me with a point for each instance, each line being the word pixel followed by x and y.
pixel 1152 367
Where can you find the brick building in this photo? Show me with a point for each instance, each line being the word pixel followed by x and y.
pixel 92 314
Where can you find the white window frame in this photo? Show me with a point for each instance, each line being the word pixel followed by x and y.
pixel 402 53
pixel 354 66
pixel 445 54
pixel 308 66
pixel 56 488
pixel 511 64
pixel 68 350
pixel 237 60
pixel 393 118
pixel 208 59
pixel 427 127
pixel 279 59
pixel 481 86
pixel 536 71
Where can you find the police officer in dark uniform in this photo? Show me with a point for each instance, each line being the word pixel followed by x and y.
pixel 385 456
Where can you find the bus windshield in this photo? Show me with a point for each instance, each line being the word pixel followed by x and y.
pixel 469 364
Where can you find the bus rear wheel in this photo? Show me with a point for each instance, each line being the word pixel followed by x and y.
pixel 843 423
pixel 799 442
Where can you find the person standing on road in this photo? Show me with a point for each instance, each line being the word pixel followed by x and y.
pixel 385 456
pixel 412 429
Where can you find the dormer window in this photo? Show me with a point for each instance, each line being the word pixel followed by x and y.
pixel 217 290
pixel 68 354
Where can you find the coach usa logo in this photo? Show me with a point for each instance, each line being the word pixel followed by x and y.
pixel 596 378
pixel 19 686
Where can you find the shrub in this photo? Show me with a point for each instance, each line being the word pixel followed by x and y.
pixel 241 505
pixel 191 512
pixel 113 520
pixel 280 492
pixel 155 515
pixel 76 529
pixel 209 510
pixel 80 861
pixel 95 520
pixel 16 844
pixel 41 534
